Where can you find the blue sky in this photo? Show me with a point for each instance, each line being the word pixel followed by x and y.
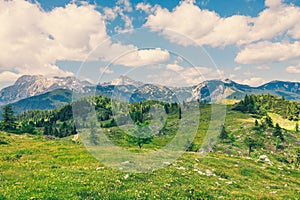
pixel 174 42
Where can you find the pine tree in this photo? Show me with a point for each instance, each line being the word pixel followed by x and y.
pixel 179 113
pixel 297 159
pixel 46 130
pixel 278 132
pixel 74 130
pixel 223 135
pixel 142 135
pixel 189 146
pixel 252 143
pixel 269 121
pixel 8 119
pixel 56 132
pixel 256 123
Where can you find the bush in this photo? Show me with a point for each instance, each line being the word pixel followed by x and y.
pixel 3 140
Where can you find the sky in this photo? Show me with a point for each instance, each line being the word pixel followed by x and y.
pixel 173 43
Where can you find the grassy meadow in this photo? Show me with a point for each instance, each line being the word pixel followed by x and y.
pixel 34 167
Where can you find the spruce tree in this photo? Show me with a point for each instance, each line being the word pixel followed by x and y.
pixel 269 121
pixel 8 119
pixel 256 123
pixel 223 135
pixel 252 143
pixel 278 132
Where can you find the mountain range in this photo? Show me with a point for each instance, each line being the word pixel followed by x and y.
pixel 39 92
pixel 28 86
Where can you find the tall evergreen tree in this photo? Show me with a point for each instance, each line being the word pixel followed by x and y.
pixel 269 121
pixel 278 132
pixel 8 119
pixel 223 135
pixel 252 143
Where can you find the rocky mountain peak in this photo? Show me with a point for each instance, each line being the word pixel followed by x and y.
pixel 31 85
pixel 124 80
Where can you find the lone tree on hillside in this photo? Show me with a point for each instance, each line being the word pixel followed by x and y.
pixel 223 135
pixel 278 132
pixel 269 121
pixel 297 159
pixel 142 135
pixel 8 119
pixel 252 143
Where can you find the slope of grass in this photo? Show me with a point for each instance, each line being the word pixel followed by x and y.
pixel 32 167
pixel 284 123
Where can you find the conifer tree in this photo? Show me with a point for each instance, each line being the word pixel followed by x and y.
pixel 8 119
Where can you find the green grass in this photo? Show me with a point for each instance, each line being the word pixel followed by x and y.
pixel 33 167
pixel 61 169
pixel 284 123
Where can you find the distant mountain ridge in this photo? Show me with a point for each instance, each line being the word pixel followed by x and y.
pixel 38 92
pixel 28 86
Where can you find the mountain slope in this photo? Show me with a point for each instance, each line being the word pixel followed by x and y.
pixel 47 101
pixel 28 86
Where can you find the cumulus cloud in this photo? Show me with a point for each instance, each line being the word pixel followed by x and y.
pixel 144 7
pixel 34 39
pixel 137 58
pixel 273 3
pixel 8 76
pixel 206 27
pixel 122 8
pixel 106 71
pixel 293 69
pixel 237 68
pixel 180 76
pixel 174 67
pixel 267 52
pixel 262 67
pixel 254 81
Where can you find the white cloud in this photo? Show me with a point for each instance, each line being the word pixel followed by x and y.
pixel 232 76
pixel 174 67
pixel 8 76
pixel 125 4
pixel 293 69
pixel 205 27
pixel 185 76
pixel 254 81
pixel 106 71
pixel 122 7
pixel 34 39
pixel 144 7
pixel 237 68
pixel 110 14
pixel 248 73
pixel 137 58
pixel 268 52
pixel 273 3
pixel 262 67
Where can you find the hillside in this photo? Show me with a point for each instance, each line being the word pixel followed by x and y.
pixel 47 101
pixel 226 172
